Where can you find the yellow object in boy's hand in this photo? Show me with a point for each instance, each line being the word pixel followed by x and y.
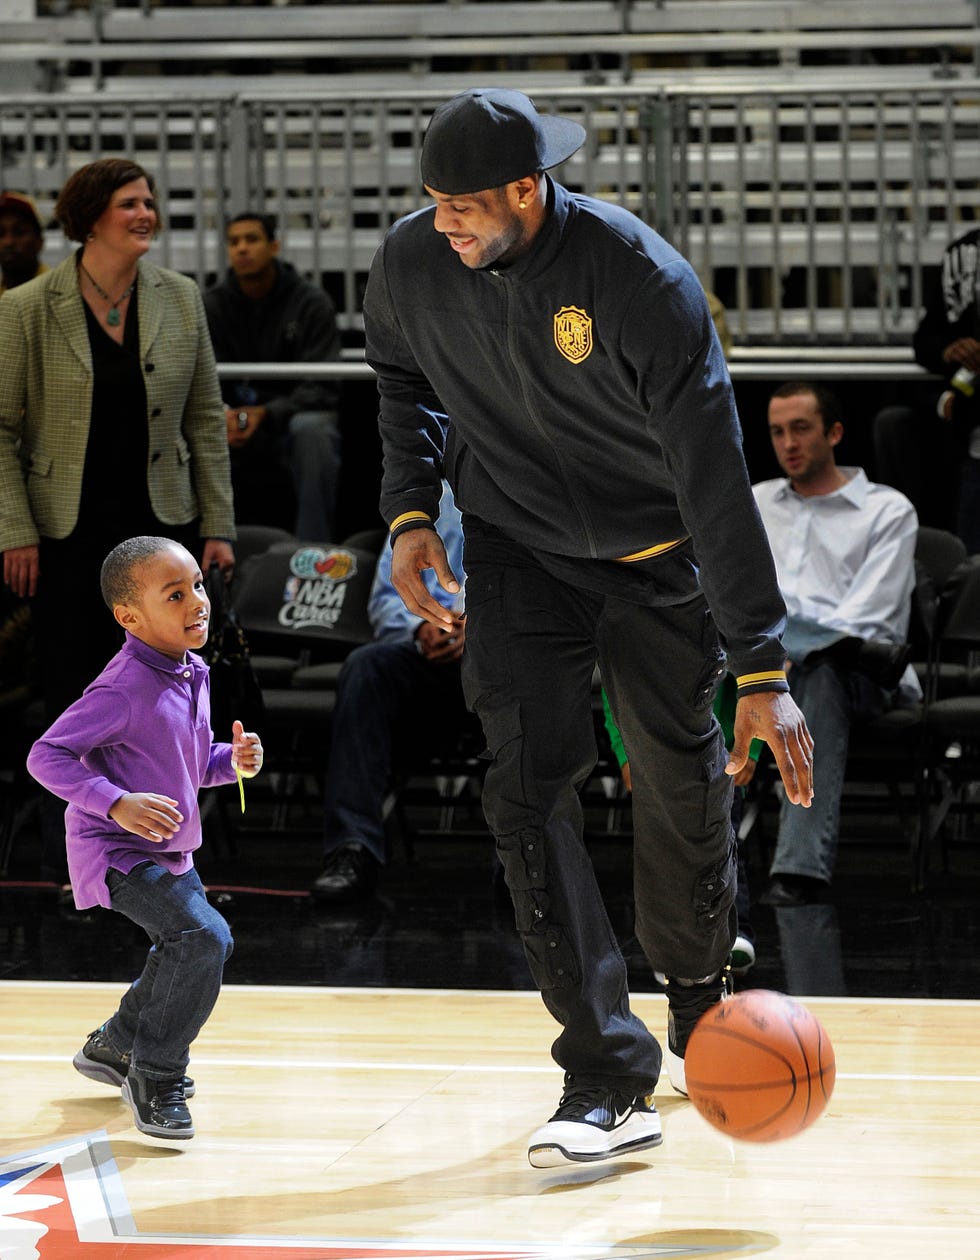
pixel 246 756
pixel 241 787
pixel 246 751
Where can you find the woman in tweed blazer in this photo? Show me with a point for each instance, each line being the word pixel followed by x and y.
pixel 111 421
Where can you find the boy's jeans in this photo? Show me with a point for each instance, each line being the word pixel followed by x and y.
pixel 163 1011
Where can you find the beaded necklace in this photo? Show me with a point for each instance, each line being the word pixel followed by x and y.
pixel 112 317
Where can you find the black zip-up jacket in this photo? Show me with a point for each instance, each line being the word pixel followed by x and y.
pixel 952 311
pixel 952 306
pixel 294 323
pixel 579 402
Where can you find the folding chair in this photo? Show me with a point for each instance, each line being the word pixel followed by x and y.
pixel 951 745
pixel 306 602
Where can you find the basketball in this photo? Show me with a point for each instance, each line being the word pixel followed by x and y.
pixel 759 1066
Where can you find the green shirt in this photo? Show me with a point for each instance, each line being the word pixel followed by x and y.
pixel 726 700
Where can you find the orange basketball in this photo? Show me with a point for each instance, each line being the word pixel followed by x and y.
pixel 759 1066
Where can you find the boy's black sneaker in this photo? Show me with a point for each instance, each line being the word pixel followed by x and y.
pixel 594 1122
pixel 99 1060
pixel 687 1001
pixel 159 1107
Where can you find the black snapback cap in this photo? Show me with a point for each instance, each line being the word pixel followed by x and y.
pixel 487 137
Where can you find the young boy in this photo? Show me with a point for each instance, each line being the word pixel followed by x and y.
pixel 129 757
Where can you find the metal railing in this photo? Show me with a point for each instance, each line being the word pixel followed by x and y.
pixel 836 363
pixel 813 212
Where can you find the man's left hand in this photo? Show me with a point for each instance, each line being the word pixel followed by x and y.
pixel 775 717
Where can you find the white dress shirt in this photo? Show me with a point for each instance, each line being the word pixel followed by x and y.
pixel 846 559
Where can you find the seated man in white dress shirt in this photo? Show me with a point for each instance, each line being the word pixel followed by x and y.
pixel 844 549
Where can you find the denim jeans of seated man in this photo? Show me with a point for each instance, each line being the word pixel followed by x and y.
pixel 831 699
pixel 968 511
pixel 313 455
pixel 390 698
pixel 166 1007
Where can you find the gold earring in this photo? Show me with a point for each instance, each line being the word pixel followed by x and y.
pixel 522 205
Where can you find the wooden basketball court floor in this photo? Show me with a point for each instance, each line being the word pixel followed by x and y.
pixel 338 1124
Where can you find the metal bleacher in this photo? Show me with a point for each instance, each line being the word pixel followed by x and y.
pixel 812 160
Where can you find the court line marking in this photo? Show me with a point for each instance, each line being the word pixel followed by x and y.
pixel 315 990
pixel 371 1065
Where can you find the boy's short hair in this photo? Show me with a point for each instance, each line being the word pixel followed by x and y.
pixel 118 577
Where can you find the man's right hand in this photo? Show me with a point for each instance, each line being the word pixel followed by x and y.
pixel 411 554
pixel 965 351
pixel 239 432
pixel 21 569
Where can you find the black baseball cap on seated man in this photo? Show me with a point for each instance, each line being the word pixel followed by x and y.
pixel 488 137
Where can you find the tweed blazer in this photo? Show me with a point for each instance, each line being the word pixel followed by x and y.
pixel 46 389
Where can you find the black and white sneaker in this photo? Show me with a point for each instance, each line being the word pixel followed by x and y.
pixel 159 1106
pixel 687 1001
pixel 594 1122
pixel 100 1061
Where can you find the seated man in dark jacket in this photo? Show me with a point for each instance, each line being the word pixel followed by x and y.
pixel 265 312
pixel 914 452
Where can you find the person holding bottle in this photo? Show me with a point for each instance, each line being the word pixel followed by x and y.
pixel 946 342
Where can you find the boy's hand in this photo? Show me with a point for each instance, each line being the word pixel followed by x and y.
pixel 246 751
pixel 147 814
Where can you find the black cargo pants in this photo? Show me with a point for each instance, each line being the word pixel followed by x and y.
pixel 532 643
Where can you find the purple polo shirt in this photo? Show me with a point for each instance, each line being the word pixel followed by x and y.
pixel 144 725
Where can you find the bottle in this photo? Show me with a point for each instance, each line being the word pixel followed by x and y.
pixel 964 381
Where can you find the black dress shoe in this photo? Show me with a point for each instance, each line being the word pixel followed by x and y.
pixel 793 890
pixel 350 874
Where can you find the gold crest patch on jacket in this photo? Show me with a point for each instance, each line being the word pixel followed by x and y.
pixel 573 333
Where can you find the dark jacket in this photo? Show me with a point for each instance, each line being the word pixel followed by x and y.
pixel 590 413
pixel 294 323
pixel 952 307
pixel 952 311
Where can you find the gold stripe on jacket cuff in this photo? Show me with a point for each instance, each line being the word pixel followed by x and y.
pixel 770 675
pixel 409 516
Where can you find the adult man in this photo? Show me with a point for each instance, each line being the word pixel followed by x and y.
pixel 265 312
pixel 947 341
pixel 21 240
pixel 557 359
pixel 912 452
pixel 404 685
pixel 845 561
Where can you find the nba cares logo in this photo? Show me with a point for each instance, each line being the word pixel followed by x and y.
pixel 573 333
pixel 335 563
